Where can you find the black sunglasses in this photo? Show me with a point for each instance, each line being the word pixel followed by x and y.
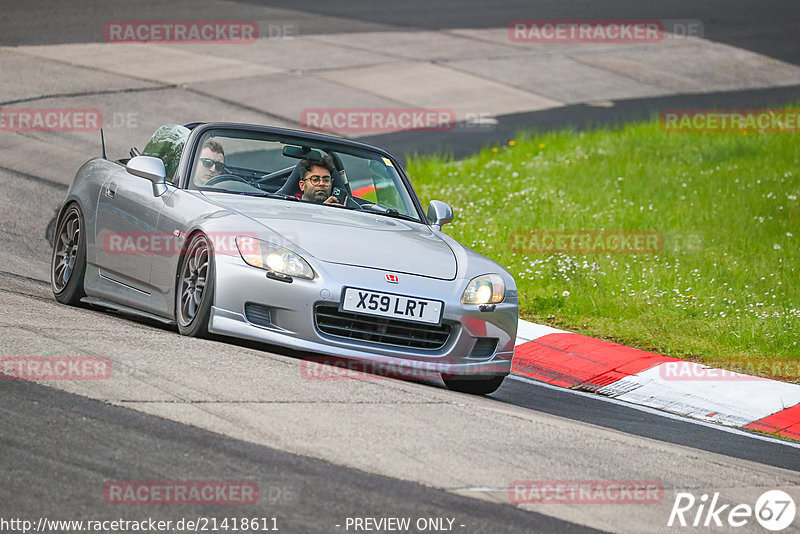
pixel 207 163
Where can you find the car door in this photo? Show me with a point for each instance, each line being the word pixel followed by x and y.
pixel 127 214
pixel 127 236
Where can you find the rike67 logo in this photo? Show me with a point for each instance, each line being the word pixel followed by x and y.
pixel 774 510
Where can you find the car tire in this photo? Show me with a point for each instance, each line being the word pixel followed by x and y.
pixel 474 385
pixel 195 276
pixel 68 263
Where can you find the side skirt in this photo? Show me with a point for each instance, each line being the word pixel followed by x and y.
pixel 126 310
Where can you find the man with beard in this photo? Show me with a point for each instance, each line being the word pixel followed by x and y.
pixel 316 182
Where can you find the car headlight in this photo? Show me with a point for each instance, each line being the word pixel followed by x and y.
pixel 273 258
pixel 484 289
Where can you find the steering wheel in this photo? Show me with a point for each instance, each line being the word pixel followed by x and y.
pixel 227 178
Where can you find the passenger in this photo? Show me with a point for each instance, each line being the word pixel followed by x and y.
pixel 316 182
pixel 211 163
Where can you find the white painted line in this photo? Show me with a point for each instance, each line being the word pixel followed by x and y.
pixel 660 413
pixel 527 331
pixel 696 390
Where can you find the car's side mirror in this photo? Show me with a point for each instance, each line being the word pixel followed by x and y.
pixel 439 213
pixel 149 168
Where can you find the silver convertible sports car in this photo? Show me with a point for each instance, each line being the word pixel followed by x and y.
pixel 289 238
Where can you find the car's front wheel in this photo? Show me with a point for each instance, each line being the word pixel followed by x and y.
pixel 68 264
pixel 194 293
pixel 474 385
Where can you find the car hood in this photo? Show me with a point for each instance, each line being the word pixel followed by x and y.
pixel 348 237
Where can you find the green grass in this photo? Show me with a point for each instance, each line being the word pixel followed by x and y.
pixel 725 288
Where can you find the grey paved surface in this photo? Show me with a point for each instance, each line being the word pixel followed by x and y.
pixel 60 450
pixel 417 433
pixel 474 69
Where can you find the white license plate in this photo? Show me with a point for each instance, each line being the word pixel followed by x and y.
pixel 391 305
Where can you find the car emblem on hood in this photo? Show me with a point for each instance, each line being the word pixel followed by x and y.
pixel 392 278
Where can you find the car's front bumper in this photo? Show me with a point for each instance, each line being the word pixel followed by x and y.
pixel 291 323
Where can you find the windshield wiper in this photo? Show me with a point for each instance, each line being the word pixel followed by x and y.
pixel 269 195
pixel 389 212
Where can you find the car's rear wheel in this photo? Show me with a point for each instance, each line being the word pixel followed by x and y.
pixel 68 264
pixel 194 293
pixel 474 385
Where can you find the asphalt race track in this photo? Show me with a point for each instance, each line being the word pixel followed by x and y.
pixel 322 452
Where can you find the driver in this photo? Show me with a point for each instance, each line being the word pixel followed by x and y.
pixel 316 181
pixel 211 162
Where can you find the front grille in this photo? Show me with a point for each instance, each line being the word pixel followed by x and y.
pixel 257 314
pixel 330 320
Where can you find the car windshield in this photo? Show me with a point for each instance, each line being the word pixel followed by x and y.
pixel 268 165
pixel 167 144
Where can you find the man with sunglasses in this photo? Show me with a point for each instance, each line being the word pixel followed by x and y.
pixel 317 181
pixel 211 163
